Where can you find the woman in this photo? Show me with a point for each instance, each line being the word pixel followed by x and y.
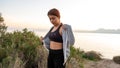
pixel 58 41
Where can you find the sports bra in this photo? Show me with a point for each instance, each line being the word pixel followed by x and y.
pixel 55 36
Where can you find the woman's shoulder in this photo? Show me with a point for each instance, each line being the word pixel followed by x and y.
pixel 66 26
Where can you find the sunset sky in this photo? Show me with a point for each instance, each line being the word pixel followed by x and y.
pixel 80 14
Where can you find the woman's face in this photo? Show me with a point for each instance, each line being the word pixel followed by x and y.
pixel 54 19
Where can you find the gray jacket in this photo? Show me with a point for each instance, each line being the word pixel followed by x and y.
pixel 68 40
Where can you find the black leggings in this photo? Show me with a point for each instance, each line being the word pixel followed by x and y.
pixel 55 59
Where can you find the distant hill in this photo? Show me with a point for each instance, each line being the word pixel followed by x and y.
pixel 100 31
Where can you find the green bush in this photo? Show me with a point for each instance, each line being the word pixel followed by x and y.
pixel 2 54
pixel 76 52
pixel 20 44
pixel 75 60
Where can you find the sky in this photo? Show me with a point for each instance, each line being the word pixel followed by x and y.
pixel 80 14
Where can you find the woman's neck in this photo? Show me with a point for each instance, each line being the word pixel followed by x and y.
pixel 57 25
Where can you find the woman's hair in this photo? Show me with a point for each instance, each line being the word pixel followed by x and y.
pixel 54 12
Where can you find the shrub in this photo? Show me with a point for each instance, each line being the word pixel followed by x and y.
pixel 2 54
pixel 21 44
pixel 76 52
pixel 75 60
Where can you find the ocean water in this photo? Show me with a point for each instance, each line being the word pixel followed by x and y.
pixel 106 44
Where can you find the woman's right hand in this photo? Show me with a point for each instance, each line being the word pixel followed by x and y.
pixel 41 39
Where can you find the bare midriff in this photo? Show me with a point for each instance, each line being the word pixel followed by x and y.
pixel 55 45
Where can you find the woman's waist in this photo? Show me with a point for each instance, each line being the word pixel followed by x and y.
pixel 56 45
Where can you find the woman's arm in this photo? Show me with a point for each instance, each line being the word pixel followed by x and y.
pixel 71 36
pixel 67 28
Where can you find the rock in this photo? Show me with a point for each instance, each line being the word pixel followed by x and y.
pixel 116 59
pixel 92 55
pixel 106 63
pixel 72 63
